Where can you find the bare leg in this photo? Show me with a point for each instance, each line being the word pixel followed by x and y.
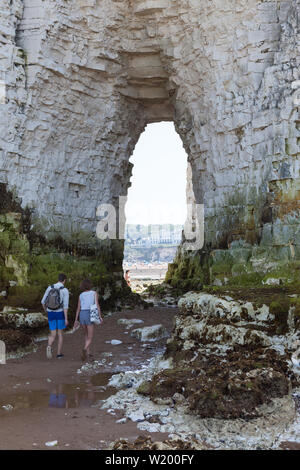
pixel 84 353
pixel 85 333
pixel 51 337
pixel 89 339
pixel 60 341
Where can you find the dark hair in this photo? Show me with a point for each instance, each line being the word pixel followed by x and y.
pixel 127 271
pixel 85 285
pixel 62 277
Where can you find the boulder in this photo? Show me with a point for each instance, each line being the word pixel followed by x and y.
pixel 150 333
pixel 129 322
pixel 19 318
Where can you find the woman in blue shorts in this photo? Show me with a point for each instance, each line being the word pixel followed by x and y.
pixel 87 298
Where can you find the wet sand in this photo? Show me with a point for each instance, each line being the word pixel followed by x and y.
pixel 51 401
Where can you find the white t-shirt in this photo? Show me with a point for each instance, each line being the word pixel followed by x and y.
pixel 87 299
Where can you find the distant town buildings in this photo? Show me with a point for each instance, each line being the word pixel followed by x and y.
pixel 147 236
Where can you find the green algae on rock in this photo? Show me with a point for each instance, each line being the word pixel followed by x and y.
pixel 146 443
pixel 15 340
pixel 228 356
pixel 228 388
pixel 29 262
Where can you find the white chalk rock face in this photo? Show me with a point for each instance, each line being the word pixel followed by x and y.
pixel 211 306
pixel 129 379
pixel 125 380
pixel 15 319
pixel 8 309
pixel 150 333
pixel 209 319
pixel 73 106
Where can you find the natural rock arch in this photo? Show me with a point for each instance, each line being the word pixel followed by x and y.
pixel 83 78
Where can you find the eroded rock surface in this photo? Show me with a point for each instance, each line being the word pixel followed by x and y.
pixel 80 82
pixel 129 323
pixel 14 318
pixel 227 358
pixel 146 443
pixel 149 333
pixel 226 376
pixel 16 341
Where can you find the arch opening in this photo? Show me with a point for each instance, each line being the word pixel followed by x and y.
pixel 156 207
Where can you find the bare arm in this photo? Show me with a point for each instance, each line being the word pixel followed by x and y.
pixel 66 304
pixel 66 316
pixel 77 311
pixel 44 299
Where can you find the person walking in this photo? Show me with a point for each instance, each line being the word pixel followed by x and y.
pixel 56 303
pixel 127 277
pixel 87 298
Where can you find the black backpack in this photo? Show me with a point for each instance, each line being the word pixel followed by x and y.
pixel 53 301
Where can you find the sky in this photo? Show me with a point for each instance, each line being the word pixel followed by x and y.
pixel 157 194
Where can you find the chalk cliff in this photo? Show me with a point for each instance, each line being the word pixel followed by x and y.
pixel 83 78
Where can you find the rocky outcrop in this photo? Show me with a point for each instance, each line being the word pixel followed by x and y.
pixel 229 356
pixel 226 376
pixel 146 443
pixel 29 263
pixel 20 318
pixel 129 323
pixel 208 319
pixel 150 333
pixel 258 433
pixel 16 342
pixel 82 82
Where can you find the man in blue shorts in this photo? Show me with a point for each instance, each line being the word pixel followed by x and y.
pixel 56 303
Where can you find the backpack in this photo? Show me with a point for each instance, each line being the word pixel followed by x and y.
pixel 53 301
